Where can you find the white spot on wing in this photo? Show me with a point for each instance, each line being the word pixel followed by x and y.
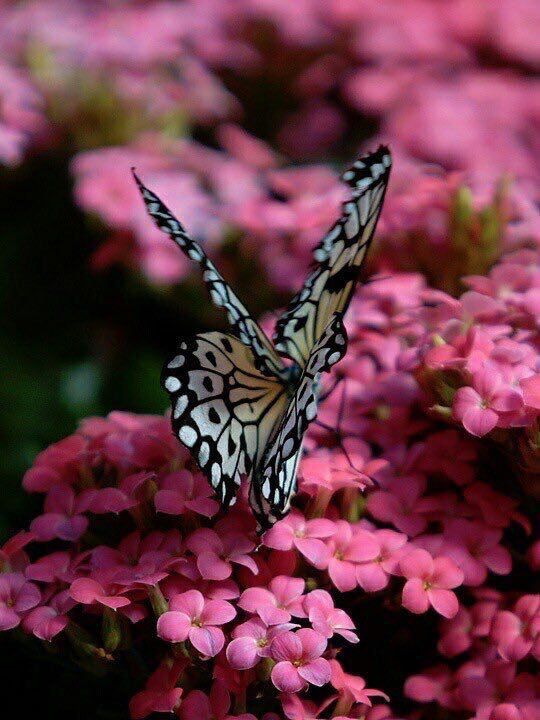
pixel 172 384
pixel 187 435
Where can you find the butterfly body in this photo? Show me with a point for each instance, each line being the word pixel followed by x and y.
pixel 236 404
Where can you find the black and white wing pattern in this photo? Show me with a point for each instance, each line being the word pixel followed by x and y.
pixel 339 256
pixel 265 357
pixel 274 482
pixel 223 409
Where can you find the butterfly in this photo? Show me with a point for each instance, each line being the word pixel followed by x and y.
pixel 240 408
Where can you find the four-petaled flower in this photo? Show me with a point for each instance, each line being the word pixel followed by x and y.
pixel 251 642
pixel 17 596
pixel 304 535
pixel 430 582
pixel 327 619
pixel 193 617
pixel 216 554
pixel 277 603
pixel 298 660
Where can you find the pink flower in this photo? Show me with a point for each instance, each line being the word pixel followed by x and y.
pixel 456 634
pixel 252 641
pixel 17 596
pixel 298 660
pixel 401 504
pixel 517 633
pixel 216 554
pixel 347 549
pixel 352 687
pixel 46 621
pixel 183 491
pixel 305 535
pixel 194 618
pixel 215 706
pixel 63 517
pixel 489 686
pixel 55 566
pixel 326 619
pixel 12 553
pixel 160 694
pixel 114 499
pixel 429 582
pixel 475 548
pixel 373 575
pixel 59 463
pixel 98 589
pixel 531 391
pixel 435 685
pixel 278 602
pixel 478 407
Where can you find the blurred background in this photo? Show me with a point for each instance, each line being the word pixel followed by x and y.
pixel 240 114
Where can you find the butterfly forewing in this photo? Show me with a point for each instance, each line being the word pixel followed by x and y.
pixel 265 357
pixel 274 482
pixel 339 256
pixel 223 409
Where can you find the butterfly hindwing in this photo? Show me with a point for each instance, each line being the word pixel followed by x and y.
pixel 265 357
pixel 223 409
pixel 339 256
pixel 274 482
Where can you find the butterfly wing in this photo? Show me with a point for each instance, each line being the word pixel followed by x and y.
pixel 274 482
pixel 265 357
pixel 223 409
pixel 339 256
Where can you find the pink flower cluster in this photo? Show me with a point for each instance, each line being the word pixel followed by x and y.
pixel 480 352
pixel 212 593
pixel 389 503
pixel 496 634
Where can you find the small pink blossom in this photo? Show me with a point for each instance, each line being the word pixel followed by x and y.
pixel 531 391
pixel 478 407
pixel 98 589
pixel 251 642
pixel 373 575
pixel 160 694
pixel 327 619
pixel 46 621
pixel 304 535
pixel 435 685
pixel 63 516
pixel 192 617
pixel 347 549
pixel 352 687
pixel 401 504
pixel 475 548
pixel 215 706
pixel 12 553
pixel 430 582
pixel 298 660
pixel 456 635
pixel 183 491
pixel 17 596
pixel 277 603
pixel 216 554
pixel 139 560
pixel 58 464
pixel 517 633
